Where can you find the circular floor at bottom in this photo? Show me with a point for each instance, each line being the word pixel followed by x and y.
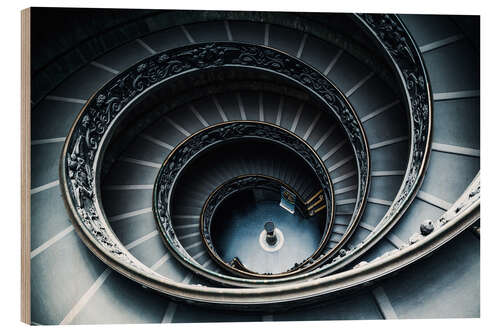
pixel 242 225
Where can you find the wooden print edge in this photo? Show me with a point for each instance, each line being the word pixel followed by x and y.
pixel 25 165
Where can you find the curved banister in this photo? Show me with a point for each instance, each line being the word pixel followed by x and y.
pixel 98 119
pixel 463 213
pixel 236 185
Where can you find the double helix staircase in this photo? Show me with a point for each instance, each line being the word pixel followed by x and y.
pixel 374 261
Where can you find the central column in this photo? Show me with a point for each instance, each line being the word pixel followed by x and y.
pixel 271 238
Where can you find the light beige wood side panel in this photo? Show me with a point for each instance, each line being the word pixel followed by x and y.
pixel 25 166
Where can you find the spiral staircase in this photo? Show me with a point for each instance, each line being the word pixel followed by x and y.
pixel 144 127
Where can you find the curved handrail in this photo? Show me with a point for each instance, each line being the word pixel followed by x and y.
pixel 93 128
pixel 464 213
pixel 403 53
pixel 220 133
pixel 236 185
pixel 456 220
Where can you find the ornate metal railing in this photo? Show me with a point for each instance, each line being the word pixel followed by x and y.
pixel 207 139
pixel 237 185
pixel 88 136
pixel 400 50
pixel 100 116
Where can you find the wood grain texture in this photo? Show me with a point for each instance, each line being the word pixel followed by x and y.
pixel 25 165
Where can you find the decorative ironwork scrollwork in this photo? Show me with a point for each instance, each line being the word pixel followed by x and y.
pixel 398 44
pixel 95 122
pixel 206 138
pixel 393 38
pixel 228 189
pixel 78 168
